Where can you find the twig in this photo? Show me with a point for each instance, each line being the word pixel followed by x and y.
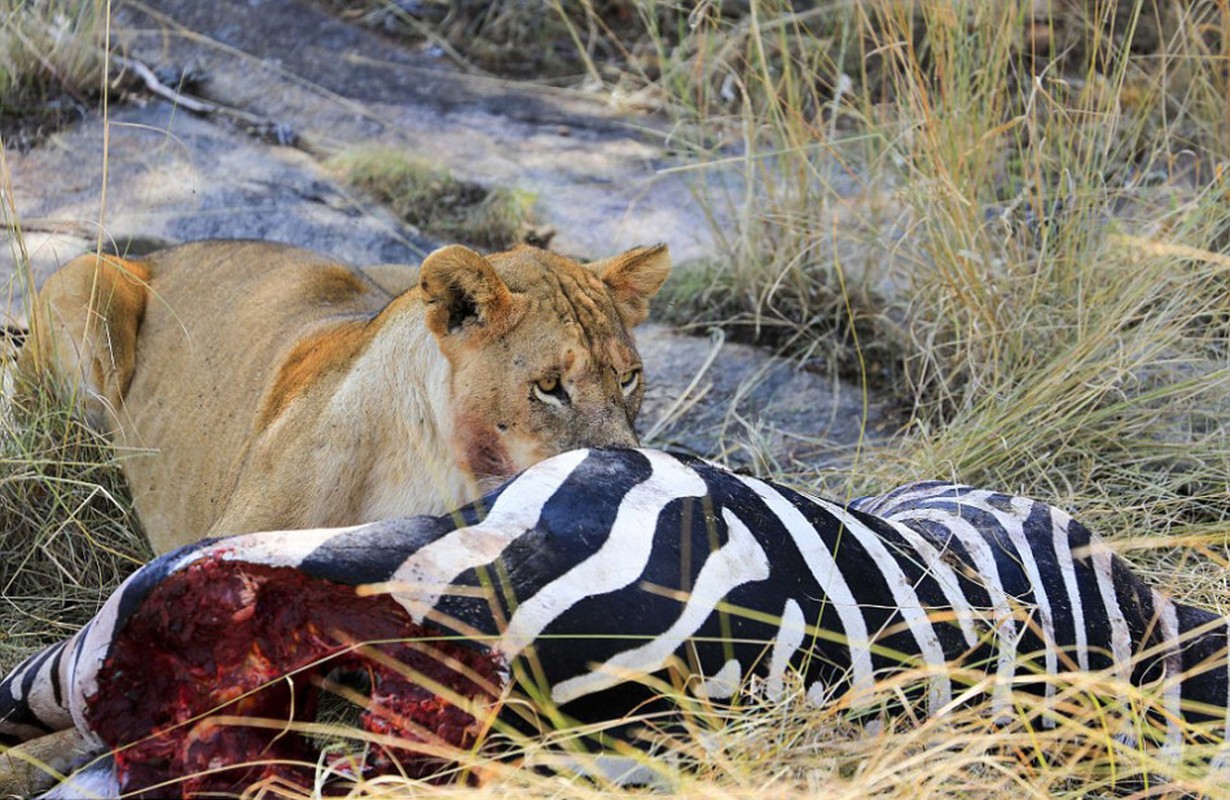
pixel 195 104
pixel 159 88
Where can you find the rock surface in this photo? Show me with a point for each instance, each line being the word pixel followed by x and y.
pixel 155 172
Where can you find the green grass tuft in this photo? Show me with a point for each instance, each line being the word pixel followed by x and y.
pixel 432 200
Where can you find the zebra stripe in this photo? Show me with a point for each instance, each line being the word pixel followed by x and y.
pixel 826 573
pixel 1221 762
pixel 1172 676
pixel 984 562
pixel 790 637
pixel 619 561
pixel 1013 525
pixel 422 578
pixel 907 601
pixel 1120 636
pixel 42 691
pixel 908 496
pixel 1067 570
pixel 741 560
pixel 723 685
pixel 275 547
pixel 1225 730
pixel 1011 520
pixel 945 578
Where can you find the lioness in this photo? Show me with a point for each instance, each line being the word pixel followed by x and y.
pixel 278 389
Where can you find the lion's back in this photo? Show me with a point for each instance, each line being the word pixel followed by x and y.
pixel 219 318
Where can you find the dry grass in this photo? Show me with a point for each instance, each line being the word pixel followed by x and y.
pixel 1073 746
pixel 67 534
pixel 539 40
pixel 1015 219
pixel 1030 252
pixel 51 60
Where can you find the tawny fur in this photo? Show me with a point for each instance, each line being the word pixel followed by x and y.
pixel 255 386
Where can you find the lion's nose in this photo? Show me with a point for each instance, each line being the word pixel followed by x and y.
pixel 626 438
pixel 610 430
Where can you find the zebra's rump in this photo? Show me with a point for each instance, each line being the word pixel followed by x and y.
pixel 582 585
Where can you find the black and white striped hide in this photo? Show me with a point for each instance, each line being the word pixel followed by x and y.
pixel 587 573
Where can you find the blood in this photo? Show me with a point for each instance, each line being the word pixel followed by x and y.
pixel 251 641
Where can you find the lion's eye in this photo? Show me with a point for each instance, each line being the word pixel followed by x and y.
pixel 628 381
pixel 549 390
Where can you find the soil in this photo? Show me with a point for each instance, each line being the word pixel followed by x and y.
pixel 299 84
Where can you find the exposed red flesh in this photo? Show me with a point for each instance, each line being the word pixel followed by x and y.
pixel 217 630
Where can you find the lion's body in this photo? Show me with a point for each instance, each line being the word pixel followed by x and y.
pixel 256 386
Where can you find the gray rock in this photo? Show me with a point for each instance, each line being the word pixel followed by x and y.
pixel 748 408
pixel 174 177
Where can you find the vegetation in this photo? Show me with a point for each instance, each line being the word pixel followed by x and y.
pixel 432 200
pixel 67 533
pixel 1012 216
pixel 1025 244
pixel 541 40
pixel 51 63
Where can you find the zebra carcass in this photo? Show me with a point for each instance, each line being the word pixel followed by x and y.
pixel 582 587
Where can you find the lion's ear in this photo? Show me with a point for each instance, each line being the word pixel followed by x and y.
pixel 633 278
pixel 463 292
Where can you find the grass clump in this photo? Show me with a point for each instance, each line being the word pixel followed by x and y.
pixel 1026 245
pixel 437 203
pixel 53 59
pixel 539 40
pixel 1070 746
pixel 68 536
